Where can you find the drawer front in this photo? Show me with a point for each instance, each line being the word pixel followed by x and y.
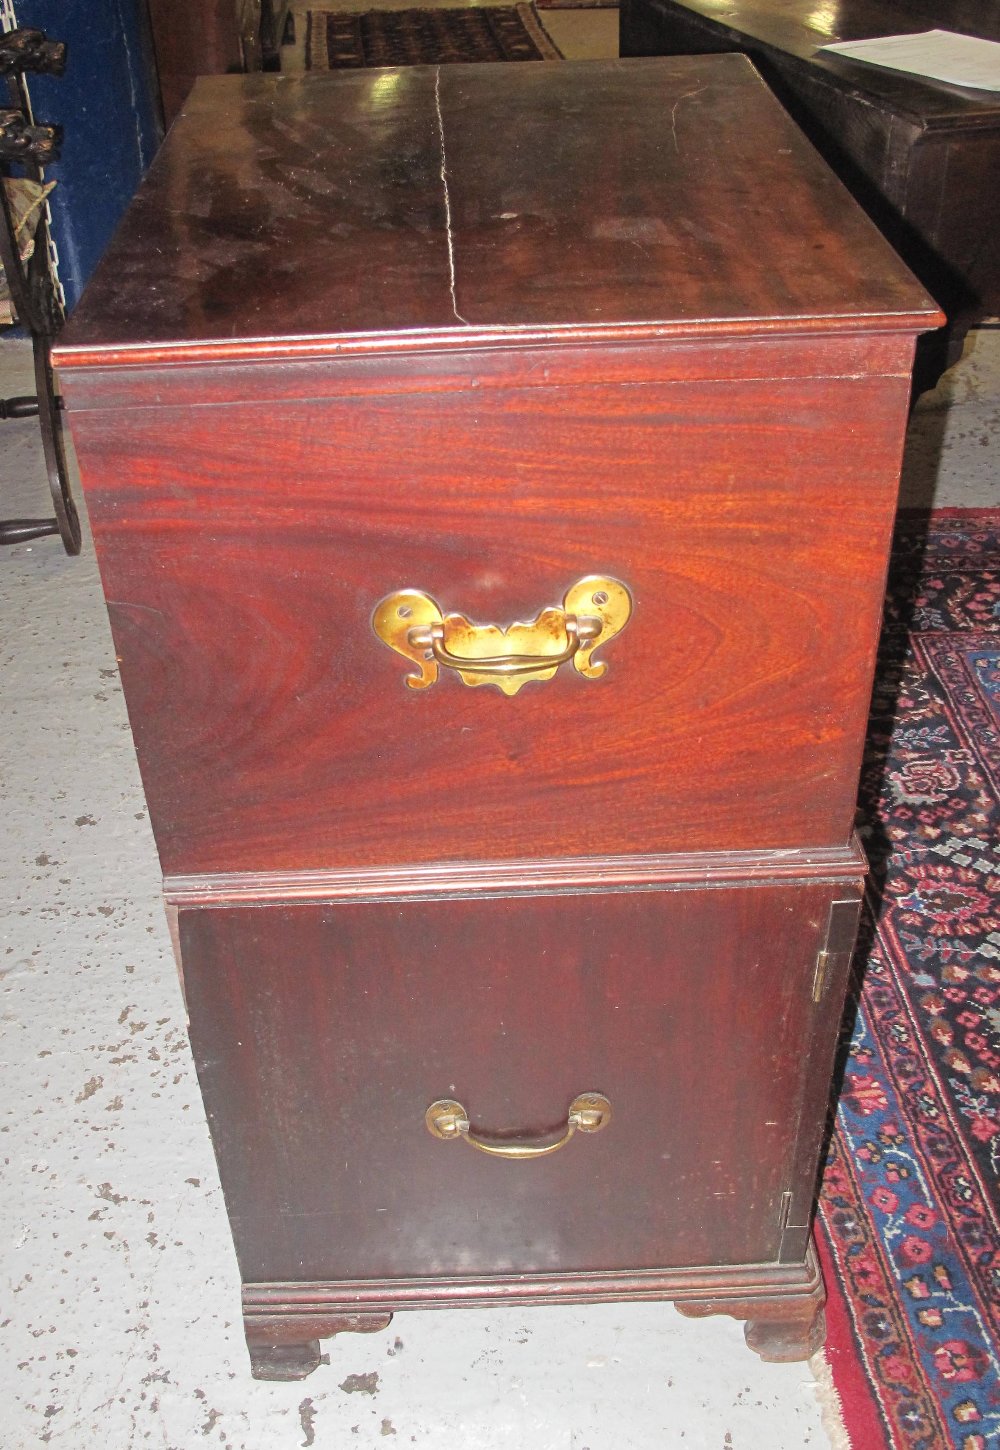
pixel 323 1033
pixel 244 553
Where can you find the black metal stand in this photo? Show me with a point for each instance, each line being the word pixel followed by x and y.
pixel 36 305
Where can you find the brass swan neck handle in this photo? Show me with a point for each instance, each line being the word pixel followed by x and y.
pixel 593 611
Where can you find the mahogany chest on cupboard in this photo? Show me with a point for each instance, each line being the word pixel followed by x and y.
pixel 492 471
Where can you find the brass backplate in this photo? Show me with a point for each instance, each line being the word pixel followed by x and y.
pixel 593 611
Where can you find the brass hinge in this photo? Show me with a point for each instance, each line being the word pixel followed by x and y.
pixel 793 1237
pixel 841 933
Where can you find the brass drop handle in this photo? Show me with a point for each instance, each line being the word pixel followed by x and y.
pixel 578 631
pixel 448 1120
pixel 593 611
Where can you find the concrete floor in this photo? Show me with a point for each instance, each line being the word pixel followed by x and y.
pixel 953 442
pixel 119 1321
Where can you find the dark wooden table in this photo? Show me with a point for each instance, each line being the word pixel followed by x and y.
pixel 922 157
pixel 382 346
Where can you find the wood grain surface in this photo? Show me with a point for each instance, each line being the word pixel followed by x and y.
pixel 243 550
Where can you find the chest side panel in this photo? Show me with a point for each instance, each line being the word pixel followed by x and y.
pixel 244 550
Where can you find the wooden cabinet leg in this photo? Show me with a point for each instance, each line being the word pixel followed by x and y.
pixel 275 1356
pixel 284 1361
pixel 777 1330
pixel 779 1327
pixel 778 1340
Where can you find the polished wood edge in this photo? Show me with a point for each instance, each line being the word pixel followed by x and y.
pixel 855 357
pixel 301 1310
pixel 519 878
pixel 439 340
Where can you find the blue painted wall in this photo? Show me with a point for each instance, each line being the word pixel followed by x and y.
pixel 107 103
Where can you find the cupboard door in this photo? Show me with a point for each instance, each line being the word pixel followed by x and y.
pixel 322 1034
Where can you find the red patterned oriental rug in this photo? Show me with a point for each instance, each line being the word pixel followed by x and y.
pixel 909 1227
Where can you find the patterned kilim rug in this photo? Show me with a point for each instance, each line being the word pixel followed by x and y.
pixel 909 1226
pixel 336 39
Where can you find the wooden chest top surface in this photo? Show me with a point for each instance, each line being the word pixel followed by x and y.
pixel 401 209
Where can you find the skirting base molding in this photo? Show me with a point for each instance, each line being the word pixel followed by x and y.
pixel 782 1304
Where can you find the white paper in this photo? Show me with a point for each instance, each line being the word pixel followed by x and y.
pixel 942 55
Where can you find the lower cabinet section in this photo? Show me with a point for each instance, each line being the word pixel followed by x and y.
pixel 699 1020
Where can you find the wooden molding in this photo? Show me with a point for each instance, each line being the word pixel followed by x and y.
pixel 305 376
pixel 520 878
pixel 296 1311
pixel 468 339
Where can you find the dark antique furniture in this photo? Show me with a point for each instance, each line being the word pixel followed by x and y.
pixel 922 157
pixel 27 281
pixel 195 38
pixel 492 488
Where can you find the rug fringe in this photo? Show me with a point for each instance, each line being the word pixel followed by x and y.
pixel 830 1407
